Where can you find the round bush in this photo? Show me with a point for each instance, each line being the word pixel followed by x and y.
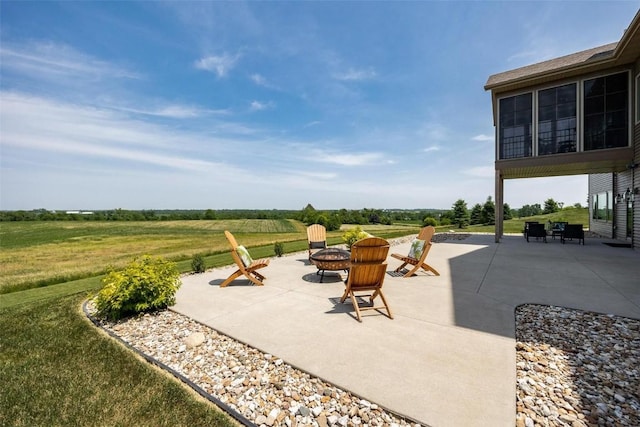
pixel 278 248
pixel 146 284
pixel 197 264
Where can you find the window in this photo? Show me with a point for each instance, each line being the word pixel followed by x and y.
pixel 603 206
pixel 606 112
pixel 587 115
pixel 557 120
pixel 515 126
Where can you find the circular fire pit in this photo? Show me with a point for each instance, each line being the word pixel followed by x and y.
pixel 331 259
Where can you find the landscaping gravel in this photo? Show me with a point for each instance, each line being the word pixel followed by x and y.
pixel 576 368
pixel 573 369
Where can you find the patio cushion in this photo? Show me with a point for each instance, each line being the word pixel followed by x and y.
pixel 417 246
pixel 244 256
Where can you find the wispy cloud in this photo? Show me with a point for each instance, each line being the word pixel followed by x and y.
pixel 347 159
pixel 218 64
pixel 259 106
pixel 483 138
pixel 49 60
pixel 431 149
pixel 353 74
pixel 480 171
pixel 174 111
pixel 48 126
pixel 260 80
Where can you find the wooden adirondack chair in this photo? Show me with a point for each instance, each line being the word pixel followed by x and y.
pixel 420 248
pixel 367 273
pixel 246 265
pixel 317 237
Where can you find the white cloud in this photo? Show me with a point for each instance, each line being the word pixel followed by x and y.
pixel 483 137
pixel 481 171
pixel 49 60
pixel 347 159
pixel 33 125
pixel 260 80
pixel 221 65
pixel 431 148
pixel 259 106
pixel 355 75
pixel 174 111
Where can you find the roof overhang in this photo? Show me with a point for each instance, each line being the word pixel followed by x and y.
pixel 586 162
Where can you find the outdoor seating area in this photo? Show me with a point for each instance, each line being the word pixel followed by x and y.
pixel 561 229
pixel 454 333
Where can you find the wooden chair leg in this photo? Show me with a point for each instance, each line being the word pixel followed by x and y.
pixel 344 296
pixel 256 281
pixel 355 305
pixel 384 301
pixel 427 267
pixel 231 278
pixel 399 269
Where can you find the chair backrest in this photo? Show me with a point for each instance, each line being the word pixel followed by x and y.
pixel 426 233
pixel 369 250
pixel 239 253
pixel 572 231
pixel 368 267
pixel 537 230
pixel 231 239
pixel 316 233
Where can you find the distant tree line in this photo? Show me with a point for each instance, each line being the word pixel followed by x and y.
pixel 458 215
pixel 143 215
pixel 484 214
pixel 332 220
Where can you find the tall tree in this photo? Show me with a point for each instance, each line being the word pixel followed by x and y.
pixel 488 212
pixel 550 206
pixel 506 211
pixel 476 214
pixel 460 213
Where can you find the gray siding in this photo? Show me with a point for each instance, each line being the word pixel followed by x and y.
pixel 599 183
pixel 636 184
pixel 636 172
pixel 622 181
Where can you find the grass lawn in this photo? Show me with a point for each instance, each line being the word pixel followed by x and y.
pixel 36 254
pixel 514 226
pixel 57 368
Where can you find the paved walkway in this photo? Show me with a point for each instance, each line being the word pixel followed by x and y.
pixel 448 357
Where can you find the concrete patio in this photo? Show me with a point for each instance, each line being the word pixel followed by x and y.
pixel 448 356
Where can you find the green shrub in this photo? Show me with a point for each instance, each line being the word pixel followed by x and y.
pixel 430 221
pixel 146 284
pixel 353 235
pixel 197 264
pixel 278 248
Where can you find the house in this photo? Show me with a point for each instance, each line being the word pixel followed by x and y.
pixel 577 114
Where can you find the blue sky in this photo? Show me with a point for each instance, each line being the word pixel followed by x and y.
pixel 271 105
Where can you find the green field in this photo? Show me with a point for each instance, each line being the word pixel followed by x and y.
pixel 42 253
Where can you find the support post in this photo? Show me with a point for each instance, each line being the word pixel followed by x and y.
pixel 499 209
